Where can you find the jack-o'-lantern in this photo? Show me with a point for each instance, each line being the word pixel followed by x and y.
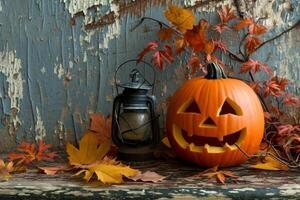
pixel 212 119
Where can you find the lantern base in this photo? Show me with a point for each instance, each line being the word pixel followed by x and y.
pixel 136 154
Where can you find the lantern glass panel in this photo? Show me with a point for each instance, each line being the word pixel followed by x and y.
pixel 134 126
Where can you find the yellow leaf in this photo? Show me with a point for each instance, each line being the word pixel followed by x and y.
pixel 89 150
pixel 109 171
pixel 165 33
pixel 270 164
pixel 166 142
pixel 6 169
pixel 182 18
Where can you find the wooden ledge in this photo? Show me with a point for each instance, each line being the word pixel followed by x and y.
pixel 252 184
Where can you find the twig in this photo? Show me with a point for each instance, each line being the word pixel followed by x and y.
pixel 160 23
pixel 246 57
pixel 279 35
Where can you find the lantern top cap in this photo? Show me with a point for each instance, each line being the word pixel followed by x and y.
pixel 137 81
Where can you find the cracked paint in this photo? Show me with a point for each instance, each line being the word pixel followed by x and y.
pixel 76 6
pixel 59 70
pixel 40 130
pixel 271 12
pixel 11 67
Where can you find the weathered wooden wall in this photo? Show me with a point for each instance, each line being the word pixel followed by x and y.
pixel 54 71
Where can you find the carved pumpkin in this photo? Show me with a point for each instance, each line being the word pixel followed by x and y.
pixel 208 115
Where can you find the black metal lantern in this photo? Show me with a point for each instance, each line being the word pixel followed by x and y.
pixel 135 127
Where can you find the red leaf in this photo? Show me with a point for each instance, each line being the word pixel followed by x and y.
pixel 151 46
pixel 226 14
pixel 221 27
pixel 257 29
pixel 30 152
pixel 252 43
pixel 254 66
pixel 256 86
pixel 42 153
pixel 287 129
pixel 271 87
pixel 161 56
pixel 243 23
pixel 282 82
pixel 221 45
pixel 290 99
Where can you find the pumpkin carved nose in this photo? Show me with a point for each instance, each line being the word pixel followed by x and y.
pixel 209 123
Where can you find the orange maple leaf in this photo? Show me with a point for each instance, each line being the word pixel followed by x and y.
pixel 181 18
pixel 257 29
pixel 243 23
pixel 196 37
pixel 101 125
pixel 29 152
pixel 253 28
pixel 252 43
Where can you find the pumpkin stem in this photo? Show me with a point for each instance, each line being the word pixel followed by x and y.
pixel 214 71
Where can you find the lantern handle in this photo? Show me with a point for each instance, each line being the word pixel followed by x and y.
pixel 136 60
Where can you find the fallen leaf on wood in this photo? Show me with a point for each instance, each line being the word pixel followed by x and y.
pixel 6 169
pixel 108 171
pixel 270 163
pixel 147 176
pixel 54 169
pixel 89 150
pixel 29 152
pixel 219 175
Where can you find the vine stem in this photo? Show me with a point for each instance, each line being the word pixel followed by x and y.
pixel 279 35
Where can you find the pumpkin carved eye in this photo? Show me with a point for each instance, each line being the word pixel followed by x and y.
pixel 230 107
pixel 190 107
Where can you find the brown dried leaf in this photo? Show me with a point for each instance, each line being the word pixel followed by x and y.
pixel 147 176
pixel 219 175
pixel 54 169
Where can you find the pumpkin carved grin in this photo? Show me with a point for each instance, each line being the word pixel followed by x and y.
pixel 200 144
